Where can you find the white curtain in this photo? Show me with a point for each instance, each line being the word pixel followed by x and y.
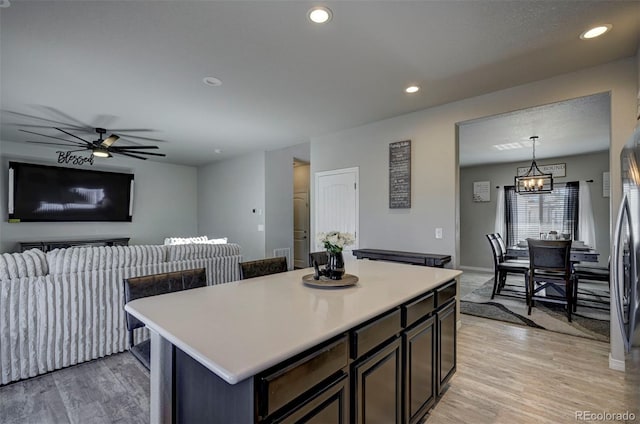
pixel 586 225
pixel 500 224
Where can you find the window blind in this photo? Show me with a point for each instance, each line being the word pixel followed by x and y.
pixel 530 215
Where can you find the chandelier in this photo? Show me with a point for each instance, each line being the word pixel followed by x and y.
pixel 534 181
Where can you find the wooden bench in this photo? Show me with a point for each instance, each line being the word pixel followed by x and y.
pixel 424 259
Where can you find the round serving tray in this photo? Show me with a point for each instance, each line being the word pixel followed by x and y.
pixel 326 283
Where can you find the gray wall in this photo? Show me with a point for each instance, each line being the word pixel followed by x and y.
pixel 228 193
pixel 164 202
pixel 434 154
pixel 478 218
pixel 279 196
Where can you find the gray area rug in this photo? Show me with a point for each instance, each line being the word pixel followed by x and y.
pixel 591 319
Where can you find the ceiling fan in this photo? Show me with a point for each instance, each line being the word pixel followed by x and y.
pixel 102 147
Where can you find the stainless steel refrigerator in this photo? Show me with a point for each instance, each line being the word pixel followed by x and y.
pixel 625 258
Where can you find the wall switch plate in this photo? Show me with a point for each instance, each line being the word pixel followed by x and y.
pixel 438 233
pixel 260 227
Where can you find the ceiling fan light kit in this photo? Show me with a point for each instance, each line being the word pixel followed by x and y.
pixel 534 181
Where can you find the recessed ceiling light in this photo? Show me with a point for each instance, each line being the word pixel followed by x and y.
pixel 5 3
pixel 596 31
pixel 412 89
pixel 217 151
pixel 320 14
pixel 212 81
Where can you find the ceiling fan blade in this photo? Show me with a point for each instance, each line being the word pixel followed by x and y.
pixel 55 144
pixel 137 152
pixel 73 135
pixel 127 154
pixel 121 130
pixel 126 136
pixel 25 115
pixel 136 147
pixel 13 124
pixel 107 142
pixel 61 114
pixel 57 138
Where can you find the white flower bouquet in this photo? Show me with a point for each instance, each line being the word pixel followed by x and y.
pixel 335 241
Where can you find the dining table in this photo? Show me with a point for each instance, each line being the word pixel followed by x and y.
pixel 578 254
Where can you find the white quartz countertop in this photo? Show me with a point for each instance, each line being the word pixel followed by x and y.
pixel 242 328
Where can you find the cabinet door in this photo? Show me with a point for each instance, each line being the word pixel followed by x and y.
pixel 420 370
pixel 331 405
pixel 446 364
pixel 377 386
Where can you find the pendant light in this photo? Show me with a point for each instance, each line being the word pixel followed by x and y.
pixel 534 181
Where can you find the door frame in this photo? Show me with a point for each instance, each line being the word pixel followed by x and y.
pixel 317 175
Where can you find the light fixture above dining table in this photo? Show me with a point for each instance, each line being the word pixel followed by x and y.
pixel 534 181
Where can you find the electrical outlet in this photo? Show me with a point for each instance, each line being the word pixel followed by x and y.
pixel 438 233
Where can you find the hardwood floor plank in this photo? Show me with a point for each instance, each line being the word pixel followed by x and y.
pixel 508 374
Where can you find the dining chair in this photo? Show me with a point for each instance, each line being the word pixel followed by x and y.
pixel 261 267
pixel 320 257
pixel 153 285
pixel 589 273
pixel 550 276
pixel 502 266
pixel 503 246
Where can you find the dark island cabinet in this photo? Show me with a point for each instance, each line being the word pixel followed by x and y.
pixel 389 369
pixel 330 405
pixel 446 346
pixel 377 386
pixel 419 370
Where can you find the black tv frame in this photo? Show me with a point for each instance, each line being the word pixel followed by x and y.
pixel 14 166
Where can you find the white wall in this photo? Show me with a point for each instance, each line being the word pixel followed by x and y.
pixel 228 193
pixel 279 196
pixel 434 157
pixel 164 202
pixel 478 218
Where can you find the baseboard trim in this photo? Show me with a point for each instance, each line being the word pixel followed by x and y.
pixel 475 268
pixel 616 364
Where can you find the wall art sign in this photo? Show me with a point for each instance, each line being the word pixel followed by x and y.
pixel 68 158
pixel 400 175
pixel 481 191
pixel 556 169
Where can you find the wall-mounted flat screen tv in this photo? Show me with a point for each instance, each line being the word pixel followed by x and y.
pixel 52 193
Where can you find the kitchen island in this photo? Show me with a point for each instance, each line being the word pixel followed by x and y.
pixel 271 349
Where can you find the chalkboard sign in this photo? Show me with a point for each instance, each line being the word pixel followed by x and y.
pixel 400 175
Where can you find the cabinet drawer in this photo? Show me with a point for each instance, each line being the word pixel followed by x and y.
pixel 371 335
pixel 413 311
pixel 281 386
pixel 445 293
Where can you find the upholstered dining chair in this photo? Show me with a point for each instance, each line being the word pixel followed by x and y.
pixel 153 285
pixel 502 266
pixel 589 273
pixel 550 276
pixel 320 257
pixel 263 267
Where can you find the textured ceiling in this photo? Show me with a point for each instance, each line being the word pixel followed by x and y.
pixel 140 64
pixel 570 127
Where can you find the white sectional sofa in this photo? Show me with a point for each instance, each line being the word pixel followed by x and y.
pixel 66 306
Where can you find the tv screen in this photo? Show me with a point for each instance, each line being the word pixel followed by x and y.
pixel 52 193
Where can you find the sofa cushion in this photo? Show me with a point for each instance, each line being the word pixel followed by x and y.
pixel 80 259
pixel 181 252
pixel 30 263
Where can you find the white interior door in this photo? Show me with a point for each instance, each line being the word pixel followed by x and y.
pixel 336 203
pixel 301 229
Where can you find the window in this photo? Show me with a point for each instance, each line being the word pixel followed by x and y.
pixel 529 215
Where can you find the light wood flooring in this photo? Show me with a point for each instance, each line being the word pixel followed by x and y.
pixel 506 374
